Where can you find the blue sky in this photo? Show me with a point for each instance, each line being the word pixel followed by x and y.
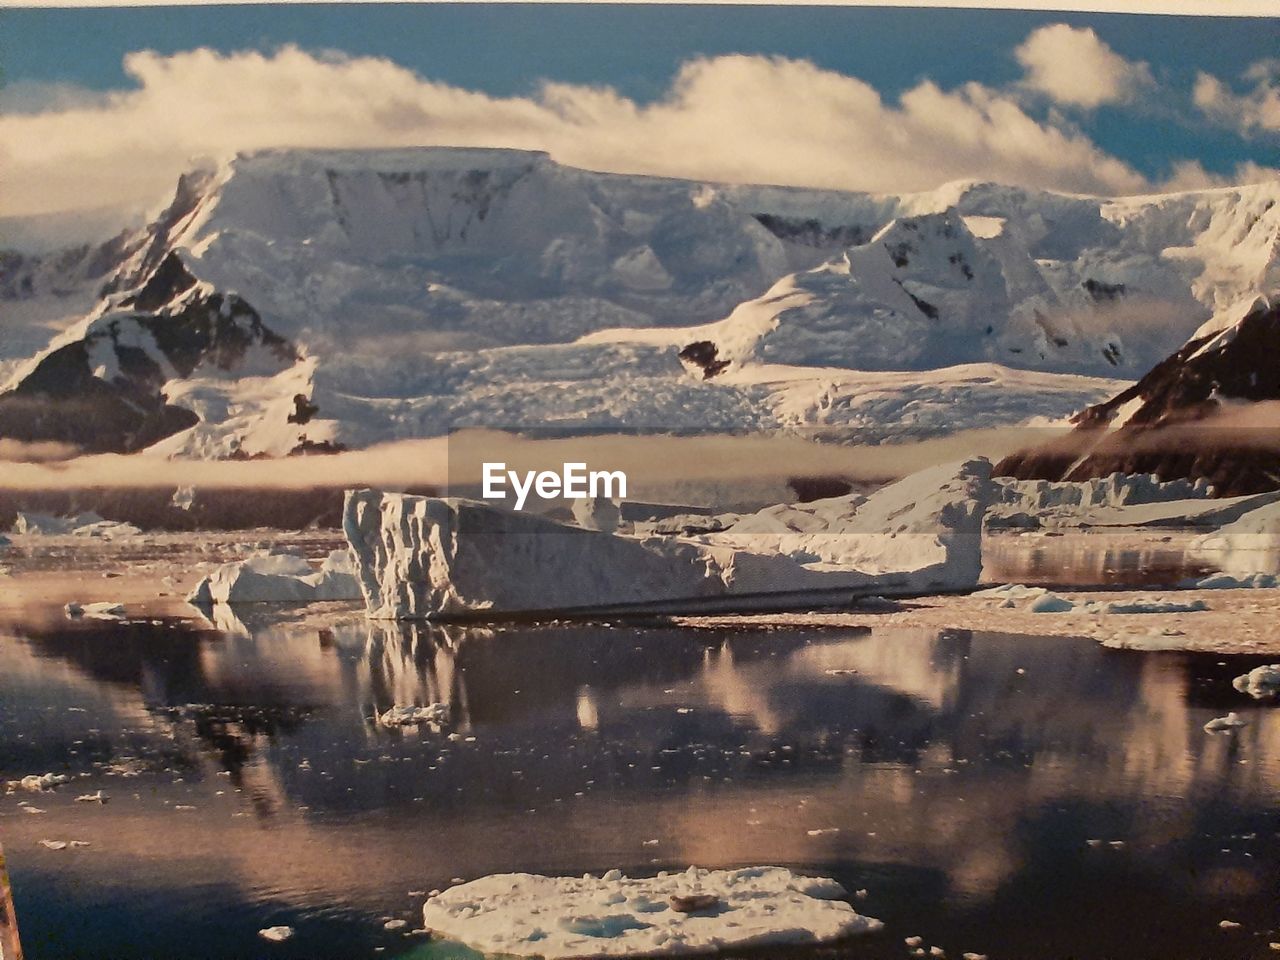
pixel 53 59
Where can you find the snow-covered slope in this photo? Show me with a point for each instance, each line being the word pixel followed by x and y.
pixel 369 295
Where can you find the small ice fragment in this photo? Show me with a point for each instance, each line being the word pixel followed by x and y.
pixel 1260 682
pixel 54 844
pixel 276 934
pixel 1228 925
pixel 98 797
pixel 432 713
pixel 913 941
pixel 823 831
pixel 613 876
pixel 396 924
pixel 1231 721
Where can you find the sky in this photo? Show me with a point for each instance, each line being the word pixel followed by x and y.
pixel 101 109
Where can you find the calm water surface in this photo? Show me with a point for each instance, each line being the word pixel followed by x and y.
pixel 958 777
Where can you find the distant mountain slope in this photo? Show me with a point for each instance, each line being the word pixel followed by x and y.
pixel 1209 411
pixel 307 300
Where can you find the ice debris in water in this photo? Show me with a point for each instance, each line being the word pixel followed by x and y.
pixel 435 714
pixel 276 934
pixel 36 783
pixel 1260 682
pixel 1043 600
pixel 519 914
pixel 97 611
pixel 1225 724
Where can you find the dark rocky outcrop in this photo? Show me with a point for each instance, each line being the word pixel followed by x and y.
pixel 1191 417
pixel 125 409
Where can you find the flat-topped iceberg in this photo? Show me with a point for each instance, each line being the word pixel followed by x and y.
pixel 441 558
pixel 693 912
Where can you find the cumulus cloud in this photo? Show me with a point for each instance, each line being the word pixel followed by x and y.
pixel 1255 111
pixel 731 118
pixel 1074 67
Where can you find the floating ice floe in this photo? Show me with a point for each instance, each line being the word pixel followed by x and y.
pixel 1248 549
pixel 1043 600
pixel 1260 682
pixel 433 714
pixel 63 844
pixel 279 577
pixel 697 911
pixel 37 783
pixel 81 525
pixel 1227 581
pixel 427 557
pixel 277 934
pixel 97 611
pixel 1232 721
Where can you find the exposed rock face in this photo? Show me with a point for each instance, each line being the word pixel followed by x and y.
pixel 432 558
pixel 103 392
pixel 1193 417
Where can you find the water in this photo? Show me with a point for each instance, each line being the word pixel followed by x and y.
pixel 958 777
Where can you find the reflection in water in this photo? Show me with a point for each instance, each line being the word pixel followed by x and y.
pixel 959 777
pixel 1112 558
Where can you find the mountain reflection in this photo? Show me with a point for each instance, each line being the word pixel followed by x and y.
pixel 953 755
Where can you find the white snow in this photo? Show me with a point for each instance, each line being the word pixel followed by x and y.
pixel 1260 682
pixel 519 914
pixel 426 557
pixel 278 577
pixel 427 289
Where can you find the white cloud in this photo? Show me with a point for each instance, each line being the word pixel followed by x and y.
pixel 733 118
pixel 1074 67
pixel 1191 175
pixel 1253 112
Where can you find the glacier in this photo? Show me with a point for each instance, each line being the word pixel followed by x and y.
pixel 311 300
pixel 433 558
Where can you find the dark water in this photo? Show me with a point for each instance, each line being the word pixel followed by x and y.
pixel 958 777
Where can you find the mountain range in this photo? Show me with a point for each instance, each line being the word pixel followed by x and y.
pixel 308 301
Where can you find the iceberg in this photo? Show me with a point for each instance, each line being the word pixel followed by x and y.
pixel 450 558
pixel 692 912
pixel 278 577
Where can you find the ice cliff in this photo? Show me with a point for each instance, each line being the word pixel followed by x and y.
pixel 433 558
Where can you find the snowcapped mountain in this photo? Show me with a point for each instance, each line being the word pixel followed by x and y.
pixel 301 300
pixel 1196 415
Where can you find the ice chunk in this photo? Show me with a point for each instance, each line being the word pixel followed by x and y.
pixel 97 611
pixel 37 783
pixel 276 934
pixel 520 914
pixel 278 577
pixel 1260 682
pixel 81 525
pixel 433 714
pixel 596 513
pixel 1225 724
pixel 425 557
